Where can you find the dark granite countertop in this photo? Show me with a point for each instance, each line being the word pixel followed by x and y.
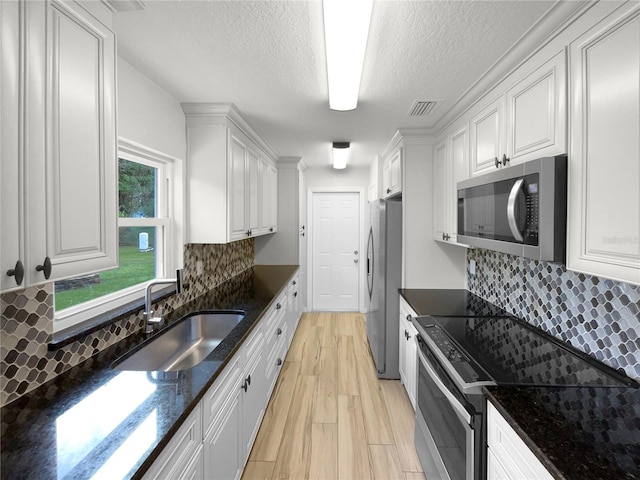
pixel 450 303
pixel 96 421
pixel 578 433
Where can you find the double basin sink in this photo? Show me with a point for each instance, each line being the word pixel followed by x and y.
pixel 184 344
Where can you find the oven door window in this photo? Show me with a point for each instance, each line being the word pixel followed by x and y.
pixel 449 431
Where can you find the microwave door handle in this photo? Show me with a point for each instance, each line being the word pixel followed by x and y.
pixel 457 406
pixel 511 209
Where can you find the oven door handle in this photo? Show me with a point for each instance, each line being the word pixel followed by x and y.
pixel 445 391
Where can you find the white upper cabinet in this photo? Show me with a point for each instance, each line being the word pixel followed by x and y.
pixel 440 195
pixel 59 143
pixel 392 173
pixel 604 165
pixel 450 167
pixel 228 199
pixel 537 113
pixel 487 137
pixel 529 121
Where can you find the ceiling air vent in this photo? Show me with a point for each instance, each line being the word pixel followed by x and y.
pixel 422 108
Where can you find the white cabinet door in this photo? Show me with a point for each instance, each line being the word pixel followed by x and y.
pixel 223 444
pixel 12 158
pixel 176 458
pixel 536 113
pixel 253 199
pixel 604 180
pixel 440 193
pixel 59 164
pixel 392 174
pixel 81 206
pixel 408 352
pixel 487 137
pixel 237 188
pixel 459 153
pixel 513 460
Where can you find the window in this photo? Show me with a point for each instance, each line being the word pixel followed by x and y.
pixel 145 240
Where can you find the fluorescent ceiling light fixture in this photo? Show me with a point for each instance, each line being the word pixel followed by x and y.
pixel 339 154
pixel 346 28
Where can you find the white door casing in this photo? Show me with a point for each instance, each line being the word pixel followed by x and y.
pixel 335 231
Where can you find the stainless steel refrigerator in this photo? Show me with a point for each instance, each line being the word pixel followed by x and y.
pixel 384 271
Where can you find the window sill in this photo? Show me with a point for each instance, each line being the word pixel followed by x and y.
pixel 80 331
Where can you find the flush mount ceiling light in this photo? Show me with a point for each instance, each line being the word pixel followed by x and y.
pixel 346 28
pixel 339 154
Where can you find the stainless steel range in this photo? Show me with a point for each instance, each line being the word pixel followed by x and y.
pixel 458 357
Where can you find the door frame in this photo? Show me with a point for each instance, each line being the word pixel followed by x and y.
pixel 361 240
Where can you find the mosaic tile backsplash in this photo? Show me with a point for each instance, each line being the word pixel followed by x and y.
pixel 598 316
pixel 27 320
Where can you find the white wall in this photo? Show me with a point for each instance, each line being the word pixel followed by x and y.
pixel 148 115
pixel 426 263
pixel 152 118
pixel 320 177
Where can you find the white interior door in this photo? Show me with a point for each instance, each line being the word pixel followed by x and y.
pixel 335 244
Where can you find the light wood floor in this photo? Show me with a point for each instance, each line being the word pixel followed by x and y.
pixel 329 416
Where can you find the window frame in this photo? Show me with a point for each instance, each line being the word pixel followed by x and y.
pixel 166 260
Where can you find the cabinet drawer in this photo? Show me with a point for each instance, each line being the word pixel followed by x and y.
pixel 179 452
pixel 513 455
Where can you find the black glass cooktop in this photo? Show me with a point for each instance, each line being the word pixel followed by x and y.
pixel 512 352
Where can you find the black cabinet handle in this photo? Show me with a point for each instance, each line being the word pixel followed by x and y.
pixel 17 272
pixel 408 318
pixel 497 162
pixel 271 229
pixel 302 234
pixel 295 294
pixel 248 233
pixel 505 160
pixel 45 268
pixel 278 306
pixel 244 386
pixel 279 331
pixel 388 190
pixel 294 282
pixel 249 380
pixel 279 362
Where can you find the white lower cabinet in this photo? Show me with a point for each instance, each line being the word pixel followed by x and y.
pixel 508 457
pixel 181 451
pixel 215 441
pixel 408 352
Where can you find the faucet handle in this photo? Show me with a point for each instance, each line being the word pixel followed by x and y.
pixel 179 284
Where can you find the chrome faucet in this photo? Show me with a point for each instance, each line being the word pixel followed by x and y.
pixel 150 320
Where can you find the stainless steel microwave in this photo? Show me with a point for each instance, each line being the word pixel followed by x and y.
pixel 521 210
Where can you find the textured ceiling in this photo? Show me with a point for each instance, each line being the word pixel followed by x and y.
pixel 267 57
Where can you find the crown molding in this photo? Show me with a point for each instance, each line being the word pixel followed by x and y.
pixel 227 112
pixel 558 18
pixel 118 6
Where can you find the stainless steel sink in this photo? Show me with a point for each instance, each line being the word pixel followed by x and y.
pixel 185 344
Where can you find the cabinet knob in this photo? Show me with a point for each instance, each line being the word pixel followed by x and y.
pixel 279 331
pixel 388 190
pixel 278 306
pixel 271 229
pixel 408 318
pixel 17 272
pixel 45 268
pixel 497 162
pixel 279 362
pixel 294 283
pixel 505 160
pixel 295 294
pixel 302 234
pixel 244 386
pixel 249 380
